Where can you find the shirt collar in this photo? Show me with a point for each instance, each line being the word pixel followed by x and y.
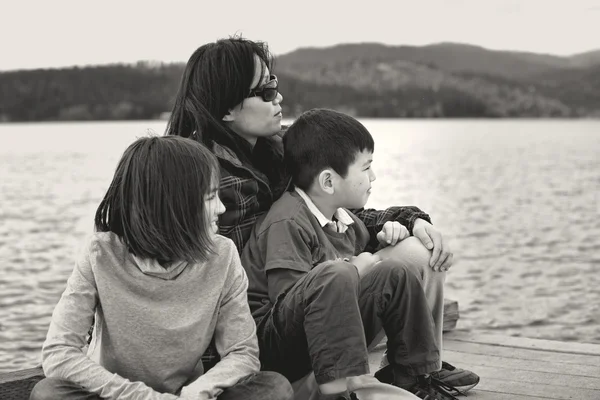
pixel 340 214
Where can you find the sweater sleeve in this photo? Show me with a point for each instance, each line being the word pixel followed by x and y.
pixel 235 337
pixel 62 352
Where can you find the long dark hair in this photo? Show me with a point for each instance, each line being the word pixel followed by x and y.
pixel 155 202
pixel 217 77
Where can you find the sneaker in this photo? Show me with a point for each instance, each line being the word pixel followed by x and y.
pixel 423 387
pixel 429 388
pixel 461 379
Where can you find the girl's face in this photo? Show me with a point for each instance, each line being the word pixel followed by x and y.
pixel 213 207
pixel 254 117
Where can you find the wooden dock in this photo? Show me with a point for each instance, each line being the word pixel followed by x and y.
pixel 509 367
pixel 521 368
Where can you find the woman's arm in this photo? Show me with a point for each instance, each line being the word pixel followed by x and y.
pixel 375 219
pixel 235 337
pixel 62 352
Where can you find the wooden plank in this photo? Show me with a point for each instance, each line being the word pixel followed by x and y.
pixel 543 378
pixel 449 324
pixel 476 394
pixel 18 385
pixel 519 353
pixel 526 343
pixel 532 389
pixel 451 315
pixel 461 359
pixel 451 306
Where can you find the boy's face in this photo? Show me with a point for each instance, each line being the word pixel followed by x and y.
pixel 354 190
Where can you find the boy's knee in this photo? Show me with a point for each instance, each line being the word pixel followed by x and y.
pixel 393 270
pixel 337 273
pixel 410 253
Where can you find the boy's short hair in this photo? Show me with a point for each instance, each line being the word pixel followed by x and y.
pixel 320 139
pixel 155 202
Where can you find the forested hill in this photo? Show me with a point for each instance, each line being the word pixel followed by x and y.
pixel 369 80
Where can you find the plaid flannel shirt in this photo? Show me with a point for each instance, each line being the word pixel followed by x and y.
pixel 245 193
pixel 374 220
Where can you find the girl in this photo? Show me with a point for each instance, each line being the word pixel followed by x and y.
pixel 160 283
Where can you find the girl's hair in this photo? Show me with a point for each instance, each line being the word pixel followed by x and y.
pixel 217 77
pixel 156 200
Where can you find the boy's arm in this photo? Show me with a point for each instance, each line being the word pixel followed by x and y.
pixel 288 255
pixel 62 352
pixel 235 337
pixel 374 220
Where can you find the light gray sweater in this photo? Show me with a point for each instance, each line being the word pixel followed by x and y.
pixel 152 325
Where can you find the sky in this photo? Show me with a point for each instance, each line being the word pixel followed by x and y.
pixel 58 33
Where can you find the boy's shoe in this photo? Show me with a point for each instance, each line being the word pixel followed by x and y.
pixel 429 388
pixel 423 387
pixel 461 379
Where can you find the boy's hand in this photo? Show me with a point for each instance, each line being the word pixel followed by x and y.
pixel 441 256
pixel 364 262
pixel 392 233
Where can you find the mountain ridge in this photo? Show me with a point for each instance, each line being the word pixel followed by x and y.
pixel 454 57
pixel 366 80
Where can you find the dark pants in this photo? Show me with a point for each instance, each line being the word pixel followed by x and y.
pixel 326 320
pixel 261 386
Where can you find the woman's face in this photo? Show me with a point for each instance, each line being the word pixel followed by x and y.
pixel 254 117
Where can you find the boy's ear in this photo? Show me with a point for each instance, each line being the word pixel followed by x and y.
pixel 325 181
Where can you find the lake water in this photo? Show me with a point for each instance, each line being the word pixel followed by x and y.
pixel 518 201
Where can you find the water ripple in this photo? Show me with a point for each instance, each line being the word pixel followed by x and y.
pixel 524 227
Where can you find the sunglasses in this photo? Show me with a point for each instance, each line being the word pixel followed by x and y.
pixel 268 91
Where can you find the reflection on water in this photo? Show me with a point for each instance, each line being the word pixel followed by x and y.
pixel 517 200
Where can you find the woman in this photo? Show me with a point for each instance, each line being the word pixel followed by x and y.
pixel 229 100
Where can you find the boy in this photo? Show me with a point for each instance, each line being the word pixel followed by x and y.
pixel 318 299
